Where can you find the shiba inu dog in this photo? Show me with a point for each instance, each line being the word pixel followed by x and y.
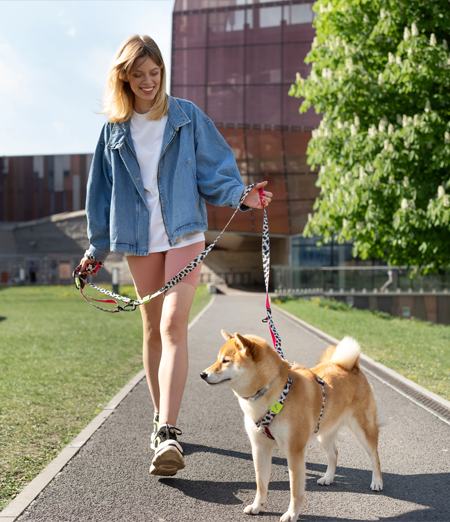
pixel 320 401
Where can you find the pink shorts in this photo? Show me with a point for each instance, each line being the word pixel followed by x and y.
pixel 152 272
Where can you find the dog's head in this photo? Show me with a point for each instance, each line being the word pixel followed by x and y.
pixel 238 360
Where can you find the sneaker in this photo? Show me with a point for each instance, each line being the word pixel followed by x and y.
pixel 155 430
pixel 168 457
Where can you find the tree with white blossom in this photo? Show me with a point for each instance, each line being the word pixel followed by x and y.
pixel 381 79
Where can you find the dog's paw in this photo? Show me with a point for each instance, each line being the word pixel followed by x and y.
pixel 377 485
pixel 289 517
pixel 325 481
pixel 253 509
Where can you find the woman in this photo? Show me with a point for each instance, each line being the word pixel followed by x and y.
pixel 158 158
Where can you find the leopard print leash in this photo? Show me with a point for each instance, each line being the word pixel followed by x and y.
pixel 131 304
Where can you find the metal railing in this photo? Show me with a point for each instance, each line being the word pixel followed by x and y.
pixel 385 279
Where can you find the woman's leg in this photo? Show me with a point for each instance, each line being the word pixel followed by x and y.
pixel 148 276
pixel 173 367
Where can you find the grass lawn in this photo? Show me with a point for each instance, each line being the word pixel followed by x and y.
pixel 61 361
pixel 418 350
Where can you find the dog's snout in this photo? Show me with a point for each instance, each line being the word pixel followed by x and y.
pixel 203 375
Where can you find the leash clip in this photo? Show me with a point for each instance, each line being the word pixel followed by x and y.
pixel 126 307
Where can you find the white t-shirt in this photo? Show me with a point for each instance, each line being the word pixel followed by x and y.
pixel 147 138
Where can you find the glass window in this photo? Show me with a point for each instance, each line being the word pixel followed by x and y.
pixel 190 30
pixel 265 153
pixel 226 27
pixel 186 5
pixel 295 145
pixel 298 20
pixel 188 66
pixel 225 104
pixel 294 60
pixel 226 65
pixel 299 211
pixel 291 116
pixel 303 186
pixel 263 105
pixel 264 25
pixel 194 94
pixel 263 64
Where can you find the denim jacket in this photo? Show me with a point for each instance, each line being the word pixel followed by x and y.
pixel 196 164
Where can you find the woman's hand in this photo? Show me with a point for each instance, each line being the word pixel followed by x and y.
pixel 253 199
pixel 87 267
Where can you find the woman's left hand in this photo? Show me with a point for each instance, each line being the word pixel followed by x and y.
pixel 253 199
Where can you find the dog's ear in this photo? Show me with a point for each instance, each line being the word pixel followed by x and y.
pixel 243 343
pixel 226 335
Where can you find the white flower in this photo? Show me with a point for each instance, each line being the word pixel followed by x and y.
pixel 441 191
pixel 315 133
pixel 383 14
pixel 347 196
pixel 339 125
pixel 309 217
pixel 366 18
pixel 406 34
pixel 348 177
pixel 360 225
pixel 362 174
pixel 329 162
pixel 382 125
pixel 349 64
pixel 416 120
pixel 404 204
pixel 391 58
pixel 390 129
pixel 369 167
pixel 405 142
pixel 313 76
pixel 332 197
pixel 406 182
pixel 404 120
pixel 409 51
pixel 412 204
pixel 356 121
pixel 445 44
pixel 433 40
pixel 388 146
pixel 399 119
pixel 446 201
pixel 380 78
pixel 427 106
pixel 330 7
pixel 398 60
pixel 315 41
pixel 344 223
pixel 298 77
pixel 414 30
pixel 353 130
pixel 372 131
pixel 391 180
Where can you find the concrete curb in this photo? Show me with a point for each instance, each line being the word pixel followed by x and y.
pixel 382 370
pixel 20 503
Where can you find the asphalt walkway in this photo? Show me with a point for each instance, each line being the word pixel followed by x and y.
pixel 108 480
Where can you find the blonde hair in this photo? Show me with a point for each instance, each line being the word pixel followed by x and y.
pixel 118 99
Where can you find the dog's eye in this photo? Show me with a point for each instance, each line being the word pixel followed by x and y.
pixel 225 361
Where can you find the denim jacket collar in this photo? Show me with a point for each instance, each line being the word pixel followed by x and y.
pixel 121 130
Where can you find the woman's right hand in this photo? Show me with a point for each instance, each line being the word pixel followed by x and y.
pixel 87 266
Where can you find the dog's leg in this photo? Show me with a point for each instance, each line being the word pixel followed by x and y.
pixel 327 442
pixel 262 448
pixel 366 431
pixel 297 477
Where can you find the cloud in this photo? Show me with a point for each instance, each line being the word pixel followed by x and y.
pixel 59 126
pixel 72 32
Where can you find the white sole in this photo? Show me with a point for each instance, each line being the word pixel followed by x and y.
pixel 167 461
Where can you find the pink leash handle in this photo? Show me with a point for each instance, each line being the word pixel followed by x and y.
pixel 261 194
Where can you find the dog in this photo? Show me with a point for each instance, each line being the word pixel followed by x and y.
pixel 333 394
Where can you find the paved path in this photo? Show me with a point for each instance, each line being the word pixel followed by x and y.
pixel 109 481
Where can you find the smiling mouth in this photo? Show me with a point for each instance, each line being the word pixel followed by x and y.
pixel 147 91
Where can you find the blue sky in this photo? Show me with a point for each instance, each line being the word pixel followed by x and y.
pixel 54 57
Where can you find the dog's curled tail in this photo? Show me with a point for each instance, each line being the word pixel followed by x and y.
pixel 345 354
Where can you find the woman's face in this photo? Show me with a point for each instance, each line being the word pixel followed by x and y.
pixel 144 80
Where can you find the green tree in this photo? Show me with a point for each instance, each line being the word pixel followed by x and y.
pixel 381 78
